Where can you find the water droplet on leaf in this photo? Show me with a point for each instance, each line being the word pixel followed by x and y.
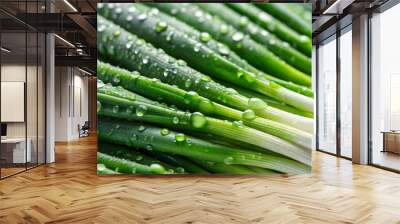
pixel 164 132
pixel 248 115
pixel 198 120
pixel 205 37
pixel 141 110
pixel 161 26
pixel 141 128
pixel 142 17
pixel 180 137
pixel 115 109
pixel 175 120
pixel 238 36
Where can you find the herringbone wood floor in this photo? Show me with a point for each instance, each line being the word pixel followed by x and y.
pixel 69 191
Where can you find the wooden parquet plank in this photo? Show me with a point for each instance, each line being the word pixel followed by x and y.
pixel 70 191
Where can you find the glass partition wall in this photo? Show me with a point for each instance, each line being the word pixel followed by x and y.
pixel 22 77
pixel 385 89
pixel 345 91
pixel 334 93
pixel 327 95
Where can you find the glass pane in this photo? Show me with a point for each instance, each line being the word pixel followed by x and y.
pixel 41 99
pixel 385 85
pixel 13 87
pixel 327 96
pixel 346 93
pixel 32 98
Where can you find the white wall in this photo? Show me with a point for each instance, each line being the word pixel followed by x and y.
pixel 71 94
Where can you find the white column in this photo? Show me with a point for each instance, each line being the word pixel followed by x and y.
pixel 360 90
pixel 50 99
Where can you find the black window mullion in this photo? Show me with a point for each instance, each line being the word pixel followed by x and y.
pixel 37 90
pixel 26 86
pixel 338 76
pixel 317 96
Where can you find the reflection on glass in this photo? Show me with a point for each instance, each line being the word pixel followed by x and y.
pixel 385 86
pixel 31 97
pixel 41 99
pixel 346 93
pixel 327 96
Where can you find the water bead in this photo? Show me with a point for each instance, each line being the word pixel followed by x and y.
pixel 256 104
pixel 157 168
pixel 180 137
pixel 164 132
pixel 175 120
pixel 198 13
pixel 161 26
pixel 238 124
pixel 128 45
pixel 141 110
pixel 197 47
pixel 169 36
pixel 117 33
pixel 154 11
pixel 149 147
pixel 142 17
pixel 141 128
pixel 248 115
pixel 223 29
pixel 304 39
pixel 198 120
pixel 206 105
pixel 118 10
pixel 223 50
pixel 129 109
pixel 181 62
pixel 265 17
pixel 140 42
pixel 115 109
pixel 180 170
pixel 132 9
pixel 205 37
pixel 133 138
pixel 188 83
pixel 191 97
pixel 238 36
pixel 243 21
